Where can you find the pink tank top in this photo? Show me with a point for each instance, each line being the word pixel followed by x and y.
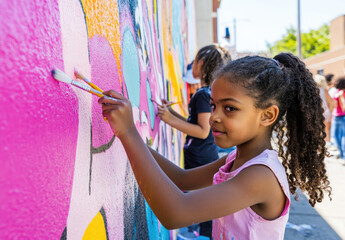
pixel 337 110
pixel 246 224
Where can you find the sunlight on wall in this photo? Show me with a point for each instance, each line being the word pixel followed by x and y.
pixel 61 163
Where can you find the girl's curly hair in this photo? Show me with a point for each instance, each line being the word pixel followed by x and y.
pixel 284 81
pixel 213 57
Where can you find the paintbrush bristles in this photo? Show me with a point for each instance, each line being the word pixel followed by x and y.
pixel 80 76
pixel 61 76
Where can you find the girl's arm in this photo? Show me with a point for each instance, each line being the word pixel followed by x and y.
pixel 190 179
pixel 171 110
pixel 174 208
pixel 176 114
pixel 200 130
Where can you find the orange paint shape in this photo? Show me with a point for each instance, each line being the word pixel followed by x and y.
pixel 102 18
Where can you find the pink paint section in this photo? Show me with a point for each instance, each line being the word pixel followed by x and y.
pixel 105 75
pixel 38 123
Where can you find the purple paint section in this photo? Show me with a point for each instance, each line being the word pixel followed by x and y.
pixel 105 75
pixel 38 123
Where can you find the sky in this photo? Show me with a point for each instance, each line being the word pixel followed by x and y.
pixel 262 21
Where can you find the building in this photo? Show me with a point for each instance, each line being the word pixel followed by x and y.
pixel 206 21
pixel 333 60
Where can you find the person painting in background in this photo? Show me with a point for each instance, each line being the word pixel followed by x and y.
pixel 246 192
pixel 199 148
pixel 339 116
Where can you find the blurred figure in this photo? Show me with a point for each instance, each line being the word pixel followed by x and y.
pixel 330 84
pixel 327 103
pixel 331 91
pixel 339 116
pixel 226 43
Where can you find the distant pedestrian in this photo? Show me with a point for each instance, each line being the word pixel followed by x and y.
pixel 330 84
pixel 247 192
pixel 327 104
pixel 339 116
pixel 225 42
pixel 331 91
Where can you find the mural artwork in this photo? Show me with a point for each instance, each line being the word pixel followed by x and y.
pixel 64 175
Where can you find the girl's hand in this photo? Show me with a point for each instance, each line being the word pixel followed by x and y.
pixel 168 104
pixel 118 113
pixel 165 102
pixel 164 113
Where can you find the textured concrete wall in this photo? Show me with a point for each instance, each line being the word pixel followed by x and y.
pixel 63 174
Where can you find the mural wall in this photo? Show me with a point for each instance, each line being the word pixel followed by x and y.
pixel 63 174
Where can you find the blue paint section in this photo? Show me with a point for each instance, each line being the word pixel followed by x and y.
pixel 176 31
pixel 152 224
pixel 150 104
pixel 131 70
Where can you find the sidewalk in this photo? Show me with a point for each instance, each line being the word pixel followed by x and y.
pixel 327 220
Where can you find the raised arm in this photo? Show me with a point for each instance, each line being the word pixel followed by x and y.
pixel 173 112
pixel 199 130
pixel 173 207
pixel 190 179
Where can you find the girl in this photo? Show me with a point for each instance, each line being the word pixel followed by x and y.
pixel 247 192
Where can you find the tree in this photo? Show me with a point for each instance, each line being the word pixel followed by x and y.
pixel 313 42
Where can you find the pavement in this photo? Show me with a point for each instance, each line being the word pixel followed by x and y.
pixel 327 220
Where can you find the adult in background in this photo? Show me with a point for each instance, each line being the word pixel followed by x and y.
pixel 339 116
pixel 330 84
pixel 327 103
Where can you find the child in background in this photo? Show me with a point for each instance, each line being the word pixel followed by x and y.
pixel 246 192
pixel 199 148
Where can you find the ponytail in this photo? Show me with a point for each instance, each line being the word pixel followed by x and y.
pixel 304 138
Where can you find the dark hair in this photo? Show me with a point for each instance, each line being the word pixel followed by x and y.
pixel 329 78
pixel 213 57
pixel 284 81
pixel 340 83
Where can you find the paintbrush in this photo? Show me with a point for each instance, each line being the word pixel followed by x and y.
pixel 168 105
pixel 63 77
pixel 80 76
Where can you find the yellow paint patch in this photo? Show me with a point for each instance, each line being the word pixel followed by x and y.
pixel 96 229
